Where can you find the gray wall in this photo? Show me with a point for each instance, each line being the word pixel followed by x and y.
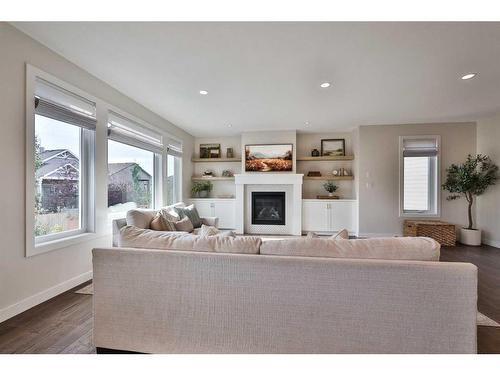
pixel 488 205
pixel 378 175
pixel 27 281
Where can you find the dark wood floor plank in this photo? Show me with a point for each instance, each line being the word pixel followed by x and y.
pixel 64 323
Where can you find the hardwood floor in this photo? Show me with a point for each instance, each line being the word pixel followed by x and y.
pixel 64 323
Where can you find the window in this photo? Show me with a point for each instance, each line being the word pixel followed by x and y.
pixel 134 165
pixel 174 159
pixel 419 175
pixel 62 152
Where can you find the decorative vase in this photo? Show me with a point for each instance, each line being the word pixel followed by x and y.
pixel 315 153
pixel 229 153
pixel 471 237
pixel 330 194
pixel 203 194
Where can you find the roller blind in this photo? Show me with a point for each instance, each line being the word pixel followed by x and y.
pixel 174 147
pixel 414 147
pixel 62 105
pixel 124 130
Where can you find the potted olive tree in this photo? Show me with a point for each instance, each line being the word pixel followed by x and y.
pixel 330 187
pixel 469 180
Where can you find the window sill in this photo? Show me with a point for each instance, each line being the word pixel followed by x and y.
pixel 48 246
pixel 416 214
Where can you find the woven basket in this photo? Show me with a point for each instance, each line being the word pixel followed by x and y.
pixel 442 232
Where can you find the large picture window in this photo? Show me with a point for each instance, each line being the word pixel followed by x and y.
pixel 419 175
pixel 63 138
pixel 174 167
pixel 134 165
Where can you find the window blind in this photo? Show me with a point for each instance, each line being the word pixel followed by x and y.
pixel 174 147
pixel 415 147
pixel 62 105
pixel 124 130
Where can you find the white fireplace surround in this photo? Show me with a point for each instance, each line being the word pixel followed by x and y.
pixel 291 183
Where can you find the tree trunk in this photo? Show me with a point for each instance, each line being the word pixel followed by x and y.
pixel 471 201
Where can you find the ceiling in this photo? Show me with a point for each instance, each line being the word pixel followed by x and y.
pixel 263 76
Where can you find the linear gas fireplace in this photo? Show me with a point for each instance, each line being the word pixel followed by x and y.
pixel 268 208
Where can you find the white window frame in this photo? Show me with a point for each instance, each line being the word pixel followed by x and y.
pixel 159 164
pixel 434 180
pixel 177 194
pixel 35 246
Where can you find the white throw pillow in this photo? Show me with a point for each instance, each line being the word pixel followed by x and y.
pixel 342 235
pixel 207 230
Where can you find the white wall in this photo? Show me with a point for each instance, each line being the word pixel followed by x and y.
pixel 378 163
pixel 488 204
pixel 28 281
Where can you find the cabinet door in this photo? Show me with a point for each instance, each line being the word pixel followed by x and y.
pixel 342 216
pixel 315 216
pixel 204 208
pixel 224 210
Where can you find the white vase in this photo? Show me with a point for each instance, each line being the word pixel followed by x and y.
pixel 471 237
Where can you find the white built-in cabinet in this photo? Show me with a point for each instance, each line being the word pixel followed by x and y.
pixel 319 215
pixel 224 209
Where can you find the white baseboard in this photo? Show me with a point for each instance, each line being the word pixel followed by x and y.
pixel 27 303
pixel 491 242
pixel 378 235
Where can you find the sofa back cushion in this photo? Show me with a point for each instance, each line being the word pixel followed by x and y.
pixel 397 248
pixel 149 239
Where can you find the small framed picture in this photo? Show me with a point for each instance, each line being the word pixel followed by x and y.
pixel 210 151
pixel 333 147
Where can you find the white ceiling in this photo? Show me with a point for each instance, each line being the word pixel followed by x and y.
pixel 263 76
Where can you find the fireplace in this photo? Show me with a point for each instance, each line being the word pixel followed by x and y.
pixel 268 208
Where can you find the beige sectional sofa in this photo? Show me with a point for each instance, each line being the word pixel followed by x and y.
pixel 282 296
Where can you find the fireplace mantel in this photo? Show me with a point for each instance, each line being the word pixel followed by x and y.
pixel 267 180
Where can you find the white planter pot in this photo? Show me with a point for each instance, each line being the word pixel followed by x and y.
pixel 471 237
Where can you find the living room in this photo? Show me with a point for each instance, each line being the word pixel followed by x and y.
pixel 247 188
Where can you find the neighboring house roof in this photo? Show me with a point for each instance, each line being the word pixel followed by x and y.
pixel 114 168
pixel 54 163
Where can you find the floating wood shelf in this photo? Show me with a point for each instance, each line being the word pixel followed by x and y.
pixel 325 158
pixel 200 178
pixel 216 160
pixel 328 178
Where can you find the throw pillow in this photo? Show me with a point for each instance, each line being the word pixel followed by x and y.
pixel 169 214
pixel 191 212
pixel 160 223
pixel 184 225
pixel 207 230
pixel 342 235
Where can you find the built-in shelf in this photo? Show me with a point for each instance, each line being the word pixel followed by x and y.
pixel 325 158
pixel 216 160
pixel 328 178
pixel 200 178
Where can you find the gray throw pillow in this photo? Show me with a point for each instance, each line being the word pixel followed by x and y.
pixel 190 212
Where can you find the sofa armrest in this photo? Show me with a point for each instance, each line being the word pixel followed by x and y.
pixel 211 221
pixel 117 225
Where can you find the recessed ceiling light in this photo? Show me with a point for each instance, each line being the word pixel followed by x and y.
pixel 307 123
pixel 324 85
pixel 203 92
pixel 229 125
pixel 469 76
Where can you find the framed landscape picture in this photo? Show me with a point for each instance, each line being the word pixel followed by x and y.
pixel 269 158
pixel 210 151
pixel 333 147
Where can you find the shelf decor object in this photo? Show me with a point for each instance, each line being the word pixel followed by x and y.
pixel 315 153
pixel 333 147
pixel 210 151
pixel 314 174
